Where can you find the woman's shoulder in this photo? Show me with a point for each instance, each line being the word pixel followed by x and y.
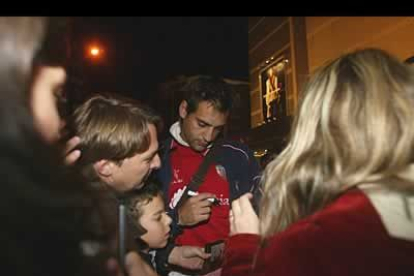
pixel 342 218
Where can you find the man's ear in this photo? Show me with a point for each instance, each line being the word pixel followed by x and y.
pixel 104 168
pixel 183 109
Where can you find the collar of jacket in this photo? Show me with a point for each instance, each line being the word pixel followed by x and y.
pixel 175 131
pixel 395 209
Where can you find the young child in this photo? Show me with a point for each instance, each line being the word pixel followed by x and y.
pixel 151 230
pixel 151 224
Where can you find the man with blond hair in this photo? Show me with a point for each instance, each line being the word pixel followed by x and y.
pixel 118 141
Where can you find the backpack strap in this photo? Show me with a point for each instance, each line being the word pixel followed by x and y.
pixel 198 178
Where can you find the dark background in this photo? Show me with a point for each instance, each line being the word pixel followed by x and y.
pixel 141 52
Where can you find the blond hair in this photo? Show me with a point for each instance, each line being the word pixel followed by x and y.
pixel 113 128
pixel 354 125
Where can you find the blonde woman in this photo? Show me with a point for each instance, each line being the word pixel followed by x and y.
pixel 339 199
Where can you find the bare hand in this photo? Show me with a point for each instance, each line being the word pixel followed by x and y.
pixel 134 266
pixel 243 219
pixel 72 155
pixel 190 257
pixel 195 209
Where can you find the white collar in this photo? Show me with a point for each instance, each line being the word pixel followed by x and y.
pixel 175 131
pixel 395 209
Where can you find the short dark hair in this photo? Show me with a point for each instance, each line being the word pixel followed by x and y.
pixel 207 88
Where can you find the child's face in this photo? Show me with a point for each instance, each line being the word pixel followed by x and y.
pixel 156 222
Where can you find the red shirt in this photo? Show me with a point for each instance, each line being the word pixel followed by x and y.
pixel 184 164
pixel 345 238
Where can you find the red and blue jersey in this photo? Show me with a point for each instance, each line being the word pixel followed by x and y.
pixel 184 164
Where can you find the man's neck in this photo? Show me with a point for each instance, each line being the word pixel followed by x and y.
pixel 183 136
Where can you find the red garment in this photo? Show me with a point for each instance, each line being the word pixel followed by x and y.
pixel 185 162
pixel 345 238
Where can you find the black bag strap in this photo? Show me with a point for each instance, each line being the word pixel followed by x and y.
pixel 200 174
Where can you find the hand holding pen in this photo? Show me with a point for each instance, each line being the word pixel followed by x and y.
pixel 196 208
pixel 213 200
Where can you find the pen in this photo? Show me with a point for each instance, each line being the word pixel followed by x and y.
pixel 213 200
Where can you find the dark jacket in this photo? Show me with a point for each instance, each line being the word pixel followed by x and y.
pixel 242 168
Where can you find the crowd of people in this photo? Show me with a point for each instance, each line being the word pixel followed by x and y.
pixel 337 200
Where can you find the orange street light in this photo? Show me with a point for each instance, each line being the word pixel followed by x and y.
pixel 95 52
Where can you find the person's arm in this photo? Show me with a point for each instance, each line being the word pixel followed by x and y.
pixel 240 254
pixel 242 170
pixel 297 251
pixel 243 219
pixel 189 257
pixel 243 243
pixel 294 252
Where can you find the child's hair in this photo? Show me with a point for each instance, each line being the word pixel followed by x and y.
pixel 135 200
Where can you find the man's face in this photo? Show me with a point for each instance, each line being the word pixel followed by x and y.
pixel 156 222
pixel 133 171
pixel 201 127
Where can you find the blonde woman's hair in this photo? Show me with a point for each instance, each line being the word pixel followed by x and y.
pixel 354 125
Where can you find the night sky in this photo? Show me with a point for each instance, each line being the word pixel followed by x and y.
pixel 141 52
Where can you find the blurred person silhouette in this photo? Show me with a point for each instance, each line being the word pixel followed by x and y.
pixel 43 202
